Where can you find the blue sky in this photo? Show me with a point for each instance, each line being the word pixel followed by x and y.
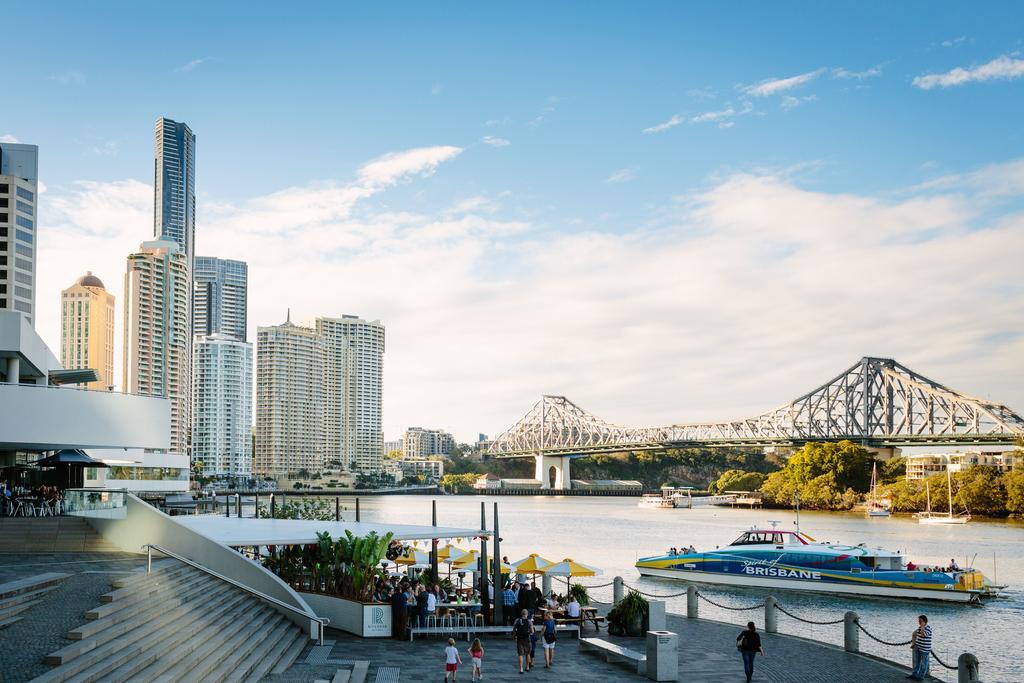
pixel 512 254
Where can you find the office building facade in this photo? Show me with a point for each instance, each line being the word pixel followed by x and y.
pixel 158 331
pixel 19 215
pixel 222 405
pixel 220 293
pixel 87 329
pixel 289 400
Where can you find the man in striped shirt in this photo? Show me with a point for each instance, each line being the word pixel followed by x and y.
pixel 921 644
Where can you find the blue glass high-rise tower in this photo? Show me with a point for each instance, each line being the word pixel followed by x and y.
pixel 174 178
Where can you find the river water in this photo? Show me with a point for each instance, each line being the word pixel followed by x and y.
pixel 611 533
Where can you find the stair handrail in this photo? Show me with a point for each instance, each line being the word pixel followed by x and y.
pixel 321 621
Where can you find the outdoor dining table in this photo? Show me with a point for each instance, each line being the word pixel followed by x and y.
pixel 459 605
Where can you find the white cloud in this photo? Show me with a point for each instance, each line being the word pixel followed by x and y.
pixel 722 116
pixel 193 65
pixel 1000 68
pixel 623 175
pixel 777 85
pixel 702 93
pixel 790 102
pixel 8 138
pixel 495 141
pixel 847 75
pixel 738 256
pixel 69 78
pixel 954 42
pixel 662 127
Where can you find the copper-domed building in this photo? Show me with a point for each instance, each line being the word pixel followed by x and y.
pixel 87 329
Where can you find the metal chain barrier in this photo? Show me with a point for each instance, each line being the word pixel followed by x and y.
pixel 883 642
pixel 728 607
pixel 809 621
pixel 942 663
pixel 600 585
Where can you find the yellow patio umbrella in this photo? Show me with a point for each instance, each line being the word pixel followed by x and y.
pixel 467 561
pixel 569 568
pixel 450 553
pixel 531 564
pixel 414 557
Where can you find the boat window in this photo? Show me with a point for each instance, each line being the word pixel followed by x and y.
pixel 777 539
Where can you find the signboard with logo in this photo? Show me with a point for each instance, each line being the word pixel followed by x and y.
pixel 369 620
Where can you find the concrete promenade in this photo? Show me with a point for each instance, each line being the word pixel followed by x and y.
pixel 707 653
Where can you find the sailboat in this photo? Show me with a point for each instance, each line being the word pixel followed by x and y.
pixel 875 506
pixel 929 517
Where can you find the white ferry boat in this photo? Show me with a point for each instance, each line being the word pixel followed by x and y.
pixel 773 558
pixel 655 500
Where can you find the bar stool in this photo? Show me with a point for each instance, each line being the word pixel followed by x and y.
pixel 446 622
pixel 431 621
pixel 478 619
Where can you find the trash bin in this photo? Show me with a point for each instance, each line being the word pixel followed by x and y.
pixel 662 656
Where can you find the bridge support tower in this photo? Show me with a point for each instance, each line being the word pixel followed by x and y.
pixel 553 472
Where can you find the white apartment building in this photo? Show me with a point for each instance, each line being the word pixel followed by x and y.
pixel 392 446
pixel 353 378
pixel 222 405
pixel 158 332
pixel 19 229
pixel 289 400
pixel 926 464
pixel 433 470
pixel 419 442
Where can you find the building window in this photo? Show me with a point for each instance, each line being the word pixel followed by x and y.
pixel 23 307
pixel 23 207
pixel 26 194
pixel 24 236
pixel 4 187
pixel 23 278
pixel 23 293
pixel 3 217
pixel 23 250
pixel 23 222
pixel 23 264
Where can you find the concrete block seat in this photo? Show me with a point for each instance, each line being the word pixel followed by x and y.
pixel 177 624
pixel 21 595
pixel 613 652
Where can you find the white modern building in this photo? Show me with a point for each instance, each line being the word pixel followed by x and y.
pixel 222 405
pixel 289 400
pixel 220 292
pixel 353 379
pixel 392 446
pixel 19 229
pixel 418 442
pixel 158 332
pixel 42 409
pixel 923 465
pixel 432 469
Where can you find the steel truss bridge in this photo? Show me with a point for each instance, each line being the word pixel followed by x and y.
pixel 878 402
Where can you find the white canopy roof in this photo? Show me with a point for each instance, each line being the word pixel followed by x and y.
pixel 232 531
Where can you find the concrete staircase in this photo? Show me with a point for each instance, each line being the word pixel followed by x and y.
pixel 177 623
pixel 50 535
pixel 17 597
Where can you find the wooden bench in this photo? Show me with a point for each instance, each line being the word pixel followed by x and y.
pixel 613 652
pixel 595 619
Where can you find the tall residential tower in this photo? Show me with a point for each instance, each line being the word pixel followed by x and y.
pixel 158 331
pixel 87 329
pixel 174 180
pixel 222 405
pixel 19 177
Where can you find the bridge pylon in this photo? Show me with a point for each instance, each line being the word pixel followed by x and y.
pixel 553 471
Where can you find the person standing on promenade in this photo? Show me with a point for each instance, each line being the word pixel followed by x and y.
pixel 921 644
pixel 451 660
pixel 476 654
pixel 527 599
pixel 399 612
pixel 508 598
pixel 748 643
pixel 549 640
pixel 521 630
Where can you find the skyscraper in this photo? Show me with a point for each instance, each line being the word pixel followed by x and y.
pixel 158 331
pixel 19 177
pixel 289 399
pixel 318 395
pixel 87 329
pixel 174 181
pixel 353 374
pixel 222 405
pixel 220 297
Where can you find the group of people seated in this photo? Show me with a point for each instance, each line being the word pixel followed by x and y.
pixel 12 495
pixel 682 550
pixel 413 601
pixel 951 567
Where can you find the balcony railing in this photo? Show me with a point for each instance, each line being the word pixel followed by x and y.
pixel 107 503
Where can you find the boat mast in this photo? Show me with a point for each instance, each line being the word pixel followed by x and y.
pixel 928 494
pixel 949 490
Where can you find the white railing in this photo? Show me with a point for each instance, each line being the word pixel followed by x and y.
pixel 321 621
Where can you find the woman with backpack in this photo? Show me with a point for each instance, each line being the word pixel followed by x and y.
pixel 522 629
pixel 749 644
pixel 548 634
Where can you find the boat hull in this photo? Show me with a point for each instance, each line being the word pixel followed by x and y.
pixel 942 520
pixel 867 591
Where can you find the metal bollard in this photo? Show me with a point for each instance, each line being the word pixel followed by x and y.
pixel 238 505
pixel 618 591
pixel 273 506
pixel 771 624
pixel 545 584
pixel 967 669
pixel 692 606
pixel 337 508
pixel 851 634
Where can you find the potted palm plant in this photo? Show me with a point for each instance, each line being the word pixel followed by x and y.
pixel 630 616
